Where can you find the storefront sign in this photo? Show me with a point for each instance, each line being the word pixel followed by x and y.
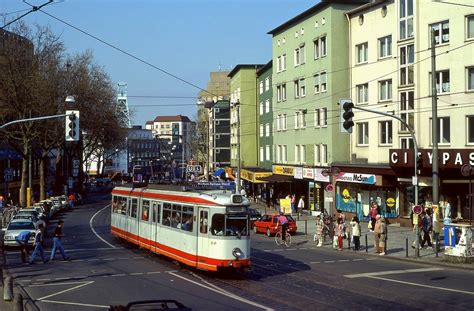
pixel 283 170
pixel 308 173
pixel 448 158
pixel 254 176
pixel 356 178
pixel 298 173
pixel 318 175
pixel 285 206
pixel 390 202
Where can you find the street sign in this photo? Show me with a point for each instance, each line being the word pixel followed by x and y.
pixel 75 164
pixel 329 188
pixel 75 172
pixel 193 168
pixel 417 209
pixel 8 174
pixel 70 182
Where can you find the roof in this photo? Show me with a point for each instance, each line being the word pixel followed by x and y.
pixel 149 122
pixel 318 7
pixel 178 118
pixel 268 65
pixel 244 66
pixel 369 5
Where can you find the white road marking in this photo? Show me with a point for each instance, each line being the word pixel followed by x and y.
pixel 119 274
pixel 93 230
pixel 108 259
pixel 67 290
pixel 75 304
pixel 343 260
pixel 59 279
pixel 403 271
pixel 54 284
pixel 423 285
pixel 291 249
pixel 313 262
pixel 357 259
pixel 155 272
pixel 222 292
pixel 93 249
pixel 137 273
pixel 328 261
pixel 40 280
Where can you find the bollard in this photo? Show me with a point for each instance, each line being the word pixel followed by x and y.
pixel 305 226
pixel 348 242
pixel 366 244
pixel 406 247
pixel 18 303
pixel 8 288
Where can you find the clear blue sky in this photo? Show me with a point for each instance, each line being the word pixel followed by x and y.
pixel 188 38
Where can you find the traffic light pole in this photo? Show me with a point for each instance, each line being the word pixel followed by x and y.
pixel 415 176
pixel 36 119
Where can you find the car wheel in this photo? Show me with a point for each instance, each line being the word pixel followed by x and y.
pixel 255 230
pixel 269 233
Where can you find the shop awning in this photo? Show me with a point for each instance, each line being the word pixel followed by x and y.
pixel 254 174
pixel 277 178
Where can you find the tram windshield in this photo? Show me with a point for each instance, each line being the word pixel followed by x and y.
pixel 235 224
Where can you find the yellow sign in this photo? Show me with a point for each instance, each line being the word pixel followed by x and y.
pixel 283 170
pixel 415 219
pixel 254 176
pixel 390 202
pixel 346 196
pixel 285 206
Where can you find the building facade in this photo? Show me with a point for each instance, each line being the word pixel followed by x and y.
pixel 265 116
pixel 219 139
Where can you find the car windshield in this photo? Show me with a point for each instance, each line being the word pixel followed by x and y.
pixel 21 225
pixel 230 225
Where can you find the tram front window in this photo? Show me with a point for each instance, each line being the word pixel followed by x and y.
pixel 230 225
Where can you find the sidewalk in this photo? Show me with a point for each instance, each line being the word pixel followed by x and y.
pixel 396 241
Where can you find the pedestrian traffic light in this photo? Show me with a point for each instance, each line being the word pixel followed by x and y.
pixel 347 115
pixel 72 125
pixel 411 194
pixel 419 162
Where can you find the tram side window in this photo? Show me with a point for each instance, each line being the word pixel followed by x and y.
pixel 217 224
pixel 156 212
pixel 203 222
pixel 145 210
pixel 119 205
pixel 132 212
pixel 176 214
pixel 166 214
pixel 188 214
pixel 114 204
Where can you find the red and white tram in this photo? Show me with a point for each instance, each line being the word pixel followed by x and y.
pixel 206 229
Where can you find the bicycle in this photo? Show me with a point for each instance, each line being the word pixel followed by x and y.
pixel 279 240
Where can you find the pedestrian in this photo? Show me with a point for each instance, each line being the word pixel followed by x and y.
pixel 339 233
pixel 426 226
pixel 319 231
pixel 58 234
pixel 377 233
pixel 355 232
pixel 22 239
pixel 38 244
pixel 343 218
pixel 71 199
pixel 293 203
pixel 301 204
pixel 383 235
pixel 373 212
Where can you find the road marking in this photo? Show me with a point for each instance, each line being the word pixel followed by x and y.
pixel 303 248
pixel 315 262
pixel 108 259
pixel 77 260
pixel 119 274
pixel 403 271
pixel 75 304
pixel 67 290
pixel 93 230
pixel 93 249
pixel 94 259
pixel 343 260
pixel 328 261
pixel 136 273
pixel 218 290
pixel 59 279
pixel 291 249
pixel 53 284
pixel 155 272
pixel 278 250
pixel 357 259
pixel 423 285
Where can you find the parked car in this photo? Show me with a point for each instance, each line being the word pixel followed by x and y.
pixel 254 216
pixel 48 207
pixel 14 228
pixel 268 224
pixel 41 212
pixel 27 213
pixel 58 204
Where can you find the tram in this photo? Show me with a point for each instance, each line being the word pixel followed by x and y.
pixel 205 229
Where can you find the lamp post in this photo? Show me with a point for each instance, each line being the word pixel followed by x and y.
pixel 236 104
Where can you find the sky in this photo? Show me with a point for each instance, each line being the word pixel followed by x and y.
pixel 187 38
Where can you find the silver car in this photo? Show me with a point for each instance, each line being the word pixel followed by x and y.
pixel 24 213
pixel 14 228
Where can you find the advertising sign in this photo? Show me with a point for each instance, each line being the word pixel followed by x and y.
pixel 308 173
pixel 319 176
pixel 357 178
pixel 285 206
pixel 298 173
pixel 283 170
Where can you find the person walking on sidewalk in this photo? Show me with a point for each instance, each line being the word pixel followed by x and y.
pixel 355 232
pixel 373 215
pixel 293 203
pixel 319 231
pixel 426 226
pixel 339 234
pixel 71 199
pixel 383 235
pixel 58 234
pixel 377 233
pixel 38 246
pixel 301 204
pixel 22 239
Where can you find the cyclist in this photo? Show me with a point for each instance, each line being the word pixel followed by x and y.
pixel 283 222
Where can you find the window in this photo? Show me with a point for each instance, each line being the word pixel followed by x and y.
pixel 283 62
pixel 385 132
pixel 470 129
pixel 278 154
pixel 302 88
pixel 470 27
pixel 317 120
pixel 406 19
pixel 407 109
pixel 283 92
pixel 324 154
pixel 470 78
pixel 407 57
pixel 132 212
pixel 261 130
pixel 442 82
pixel 362 52
pixel 385 46
pixel 261 108
pixel 166 220
pixel 145 210
pixel 267 84
pixel 320 47
pixel 284 153
pixel 362 133
pixel 267 153
pixel 203 220
pixel 323 82
pixel 385 90
pixel 279 66
pixel 262 155
pixel 299 54
pixel 441 32
pixel 363 93
pixel 267 130
pixel 317 155
pixel 261 87
pixel 406 143
pixel 316 83
pixel 278 93
pixel 297 154
pixel 297 88
pixel 324 117
pixel 267 106
pixel 323 46
pixel 316 48
pixel 302 154
pixel 444 130
pixel 300 119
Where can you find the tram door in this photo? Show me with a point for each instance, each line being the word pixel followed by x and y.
pixel 203 230
pixel 156 209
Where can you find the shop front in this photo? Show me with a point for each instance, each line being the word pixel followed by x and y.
pixel 255 188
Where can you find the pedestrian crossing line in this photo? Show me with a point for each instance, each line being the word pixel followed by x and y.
pixel 303 248
pixel 329 261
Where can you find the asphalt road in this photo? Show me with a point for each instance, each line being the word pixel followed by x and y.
pixel 104 271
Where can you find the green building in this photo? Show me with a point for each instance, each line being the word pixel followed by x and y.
pixel 265 116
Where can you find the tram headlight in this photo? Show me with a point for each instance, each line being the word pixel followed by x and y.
pixel 237 252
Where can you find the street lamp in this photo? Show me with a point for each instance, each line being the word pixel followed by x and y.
pixel 236 104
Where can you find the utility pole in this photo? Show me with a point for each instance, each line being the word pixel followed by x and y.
pixel 237 107
pixel 434 120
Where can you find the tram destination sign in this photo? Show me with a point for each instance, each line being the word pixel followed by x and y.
pixel 448 158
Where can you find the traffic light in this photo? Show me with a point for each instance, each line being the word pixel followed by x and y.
pixel 347 115
pixel 419 162
pixel 72 125
pixel 411 194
